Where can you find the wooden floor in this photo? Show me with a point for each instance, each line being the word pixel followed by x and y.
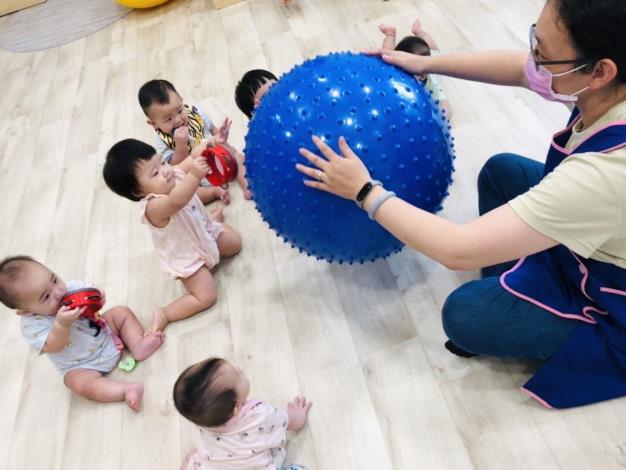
pixel 365 343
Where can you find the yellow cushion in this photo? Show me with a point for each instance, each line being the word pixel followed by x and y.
pixel 141 3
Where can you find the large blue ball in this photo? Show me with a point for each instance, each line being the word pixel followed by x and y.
pixel 389 120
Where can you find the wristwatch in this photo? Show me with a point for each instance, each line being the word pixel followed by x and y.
pixel 364 191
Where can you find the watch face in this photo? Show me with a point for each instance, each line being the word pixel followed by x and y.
pixel 364 190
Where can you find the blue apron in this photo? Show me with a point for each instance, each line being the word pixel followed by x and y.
pixel 591 365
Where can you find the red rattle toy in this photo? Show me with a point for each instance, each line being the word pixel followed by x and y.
pixel 222 163
pixel 90 298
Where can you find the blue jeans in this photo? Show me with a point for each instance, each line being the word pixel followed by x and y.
pixel 482 317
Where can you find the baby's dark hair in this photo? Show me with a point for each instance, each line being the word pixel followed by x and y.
pixel 154 91
pixel 12 270
pixel 247 87
pixel 413 45
pixel 200 399
pixel 121 164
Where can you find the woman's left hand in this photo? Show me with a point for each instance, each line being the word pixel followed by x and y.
pixel 343 175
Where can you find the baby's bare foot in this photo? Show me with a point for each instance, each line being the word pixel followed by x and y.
pixel 416 29
pixel 149 343
pixel 387 30
pixel 297 411
pixel 224 195
pixel 160 320
pixel 218 214
pixel 133 393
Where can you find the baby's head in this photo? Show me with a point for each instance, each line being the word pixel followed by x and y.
pixel 414 45
pixel 251 88
pixel 211 392
pixel 28 286
pixel 134 169
pixel 162 105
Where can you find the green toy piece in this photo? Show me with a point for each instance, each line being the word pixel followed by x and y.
pixel 127 363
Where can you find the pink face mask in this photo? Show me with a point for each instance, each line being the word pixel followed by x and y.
pixel 540 81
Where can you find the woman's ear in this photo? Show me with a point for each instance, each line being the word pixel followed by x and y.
pixel 604 72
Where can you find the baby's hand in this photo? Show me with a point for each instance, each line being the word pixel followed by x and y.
pixel 200 167
pixel 117 342
pixel 67 316
pixel 181 135
pixel 198 149
pixel 297 412
pixel 223 132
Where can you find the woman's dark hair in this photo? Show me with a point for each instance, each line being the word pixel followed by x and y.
pixel 200 399
pixel 247 87
pixel 155 91
pixel 597 29
pixel 121 164
pixel 413 45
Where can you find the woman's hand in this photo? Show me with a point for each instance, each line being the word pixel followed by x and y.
pixel 342 175
pixel 412 63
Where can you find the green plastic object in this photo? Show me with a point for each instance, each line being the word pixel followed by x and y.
pixel 127 363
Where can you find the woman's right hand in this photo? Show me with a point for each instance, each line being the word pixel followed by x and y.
pixel 412 63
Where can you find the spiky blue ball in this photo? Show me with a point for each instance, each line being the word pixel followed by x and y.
pixel 389 120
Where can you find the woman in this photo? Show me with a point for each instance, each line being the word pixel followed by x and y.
pixel 565 299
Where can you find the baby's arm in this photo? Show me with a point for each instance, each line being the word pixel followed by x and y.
pixel 59 335
pixel 159 210
pixel 181 138
pixel 420 33
pixel 390 36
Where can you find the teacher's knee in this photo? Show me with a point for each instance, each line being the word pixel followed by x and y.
pixel 457 313
pixel 496 164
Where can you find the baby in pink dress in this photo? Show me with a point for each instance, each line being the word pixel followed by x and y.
pixel 189 242
pixel 233 432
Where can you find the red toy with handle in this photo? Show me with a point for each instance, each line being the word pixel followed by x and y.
pixel 222 163
pixel 90 298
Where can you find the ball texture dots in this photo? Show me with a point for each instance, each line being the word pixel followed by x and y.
pixel 390 121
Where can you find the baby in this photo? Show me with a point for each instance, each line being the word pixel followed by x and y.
pixel 83 351
pixel 189 243
pixel 251 88
pixel 421 43
pixel 233 432
pixel 181 129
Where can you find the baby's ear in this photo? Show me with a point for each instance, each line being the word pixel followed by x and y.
pixel 151 123
pixel 22 313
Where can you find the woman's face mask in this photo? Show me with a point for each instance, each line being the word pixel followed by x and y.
pixel 540 81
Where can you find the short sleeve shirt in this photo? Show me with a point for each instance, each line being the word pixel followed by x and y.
pixel 582 203
pixel 89 347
